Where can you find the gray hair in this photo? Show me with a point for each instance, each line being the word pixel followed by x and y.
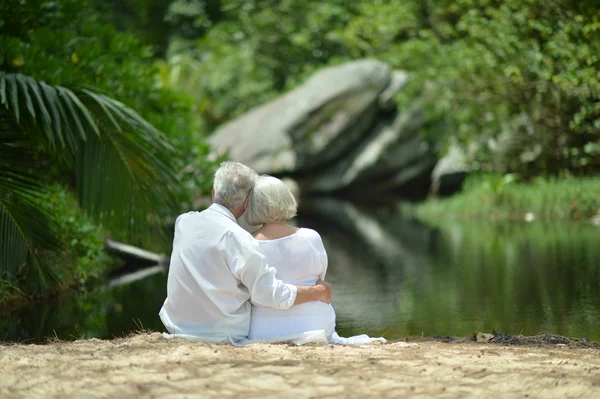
pixel 233 183
pixel 270 201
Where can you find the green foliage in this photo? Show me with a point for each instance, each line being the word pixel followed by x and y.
pixel 500 197
pixel 143 19
pixel 60 72
pixel 254 50
pixel 81 260
pixel 118 159
pixel 496 183
pixel 189 16
pixel 517 78
pixel 24 228
pixel 71 46
pixel 515 81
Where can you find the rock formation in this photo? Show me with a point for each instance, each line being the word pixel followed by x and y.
pixel 338 132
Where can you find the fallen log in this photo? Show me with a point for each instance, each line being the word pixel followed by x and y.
pixel 135 276
pixel 135 256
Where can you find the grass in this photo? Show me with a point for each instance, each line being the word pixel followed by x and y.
pixel 494 197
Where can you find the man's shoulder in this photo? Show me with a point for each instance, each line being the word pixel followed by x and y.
pixel 238 233
pixel 188 217
pixel 215 222
pixel 189 214
pixel 195 221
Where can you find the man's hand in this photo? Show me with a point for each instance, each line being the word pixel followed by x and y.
pixel 319 292
pixel 326 289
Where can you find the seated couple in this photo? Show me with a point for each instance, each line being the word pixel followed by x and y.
pixel 226 285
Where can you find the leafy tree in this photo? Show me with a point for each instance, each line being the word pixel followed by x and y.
pixel 61 72
pixel 257 49
pixel 517 80
pixel 117 156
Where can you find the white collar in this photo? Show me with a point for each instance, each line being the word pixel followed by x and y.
pixel 222 210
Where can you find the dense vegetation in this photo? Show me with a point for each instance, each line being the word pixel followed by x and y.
pixel 514 82
pixel 83 124
pixel 502 197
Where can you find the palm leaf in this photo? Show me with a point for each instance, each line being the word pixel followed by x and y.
pixel 124 175
pixel 23 84
pixel 12 102
pixel 2 90
pixel 124 167
pixel 49 98
pixel 104 106
pixel 25 230
pixel 51 126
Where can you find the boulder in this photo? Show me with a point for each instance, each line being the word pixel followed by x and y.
pixel 337 131
pixel 391 156
pixel 450 172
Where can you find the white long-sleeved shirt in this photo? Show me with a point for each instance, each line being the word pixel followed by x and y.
pixel 216 267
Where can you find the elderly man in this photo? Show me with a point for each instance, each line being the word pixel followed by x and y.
pixel 217 267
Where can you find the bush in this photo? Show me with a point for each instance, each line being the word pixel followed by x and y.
pixel 493 196
pixel 81 264
pixel 66 43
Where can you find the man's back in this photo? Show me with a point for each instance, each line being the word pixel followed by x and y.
pixel 203 296
pixel 213 262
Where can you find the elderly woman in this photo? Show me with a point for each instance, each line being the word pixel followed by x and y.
pixel 300 258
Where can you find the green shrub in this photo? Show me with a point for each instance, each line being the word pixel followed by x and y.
pixel 495 196
pixel 84 259
pixel 81 264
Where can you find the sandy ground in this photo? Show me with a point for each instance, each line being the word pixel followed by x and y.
pixel 146 365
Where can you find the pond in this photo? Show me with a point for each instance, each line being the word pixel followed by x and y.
pixel 394 276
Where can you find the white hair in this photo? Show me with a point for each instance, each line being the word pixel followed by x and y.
pixel 270 201
pixel 233 183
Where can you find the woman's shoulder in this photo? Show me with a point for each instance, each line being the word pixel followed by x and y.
pixel 276 234
pixel 310 234
pixel 262 237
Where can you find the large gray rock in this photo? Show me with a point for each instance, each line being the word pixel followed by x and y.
pixel 331 133
pixel 450 171
pixel 312 124
pixel 391 156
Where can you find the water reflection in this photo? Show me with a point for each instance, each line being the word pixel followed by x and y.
pixel 369 262
pixel 105 313
pixel 397 277
pixel 409 279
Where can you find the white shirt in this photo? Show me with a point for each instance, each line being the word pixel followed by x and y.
pixel 300 259
pixel 216 267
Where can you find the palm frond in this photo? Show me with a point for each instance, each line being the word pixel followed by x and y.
pixel 126 174
pixel 51 115
pixel 124 167
pixel 25 230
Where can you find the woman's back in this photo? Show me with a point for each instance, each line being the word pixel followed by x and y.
pixel 300 259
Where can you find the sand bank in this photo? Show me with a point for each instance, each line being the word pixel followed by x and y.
pixel 146 365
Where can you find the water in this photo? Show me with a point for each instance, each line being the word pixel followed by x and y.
pixel 394 277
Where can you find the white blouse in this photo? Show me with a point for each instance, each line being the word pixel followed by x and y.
pixel 299 259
